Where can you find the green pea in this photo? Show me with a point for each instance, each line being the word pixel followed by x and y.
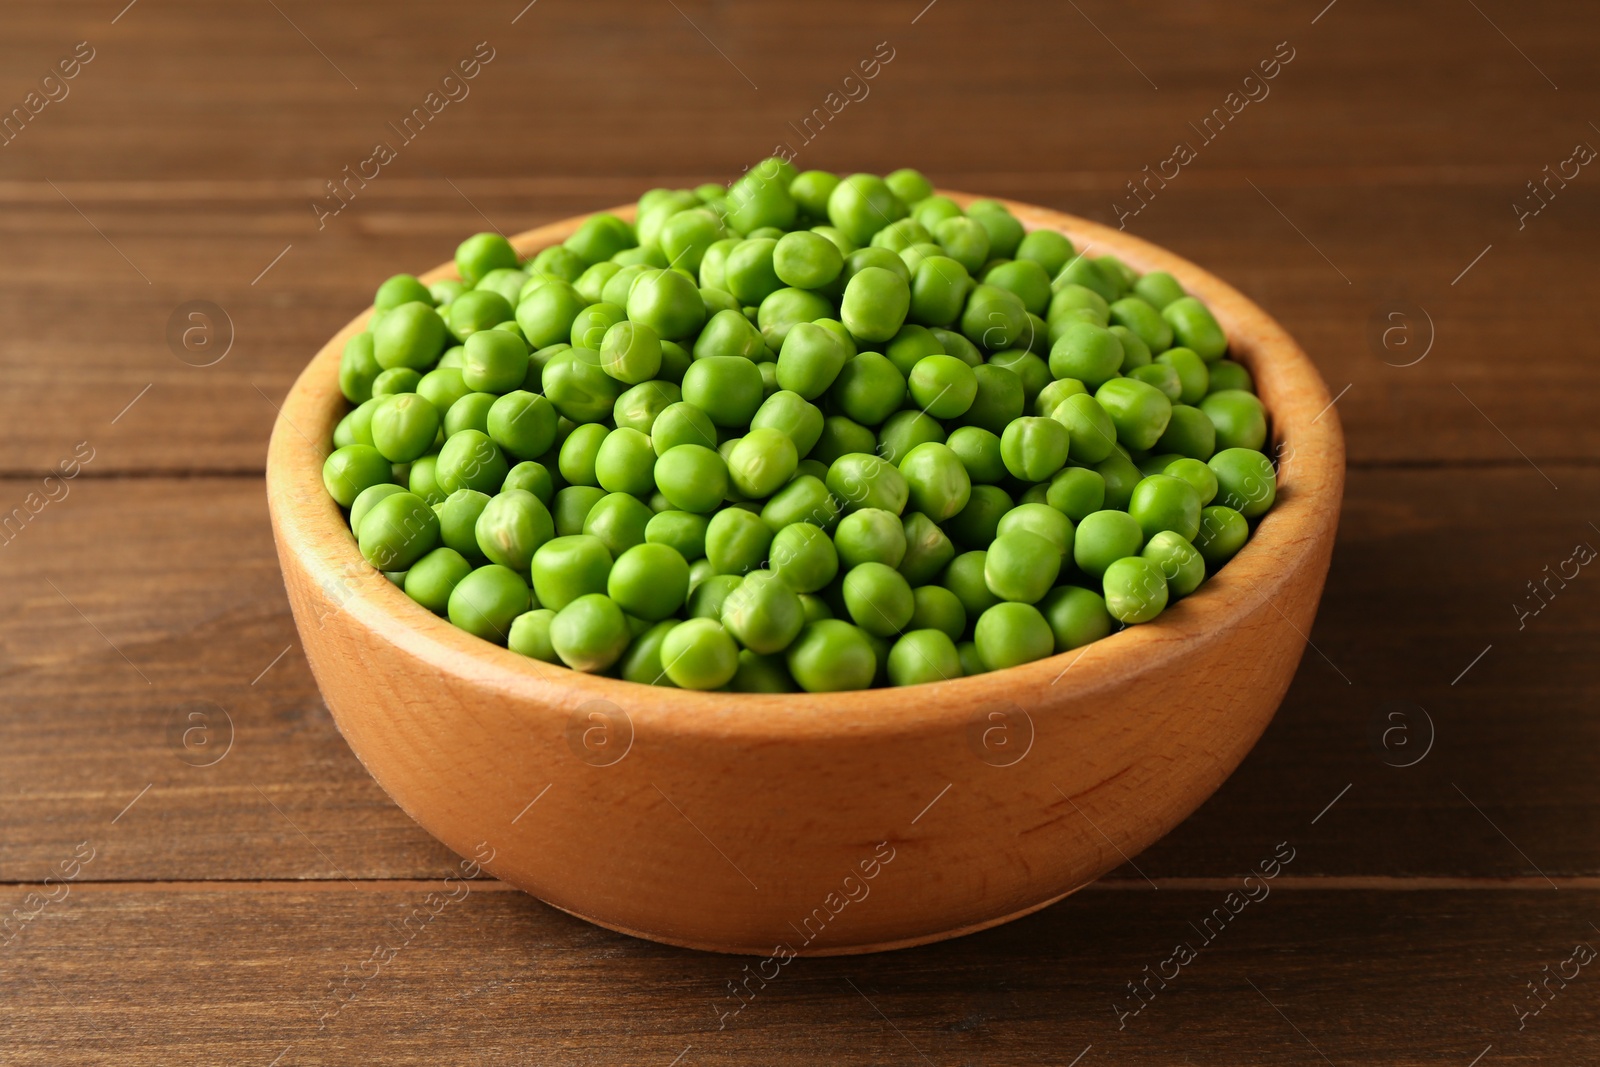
pixel 1162 502
pixel 442 387
pixel 523 424
pixel 568 567
pixel 458 521
pixel 411 335
pixel 1138 410
pixel 937 608
pixel 762 461
pixel 737 541
pixel 979 452
pixel 943 386
pixel 760 199
pixel 1189 433
pixel 397 531
pixel 870 535
pixel 615 290
pixel 349 470
pixel 692 477
pixel 964 577
pixel 432 579
pixel 1077 616
pixel 932 210
pixel 699 654
pixel 1135 590
pixel 1049 249
pixel 811 190
pixel 639 407
pixel 1120 475
pixel 591 286
pixel 999 399
pixel 974 526
pixel 368 497
pixel 1077 303
pixel 1226 374
pixel 878 598
pixel 1039 518
pixel 831 655
pixel 995 319
pixel 869 388
pixel 729 333
pixel 1033 448
pixel 923 655
pixel 1161 375
pixel 727 388
pixel 938 291
pixel 863 204
pixel 1196 473
pixel 649 581
pixel 1246 480
pixel 1143 320
pixel 686 235
pixel 901 235
pixel 762 674
pixel 861 480
pixel 683 531
pixel 625 463
pixel 547 313
pixel 904 431
pixel 763 613
pixel 1158 289
pixel 1054 393
pixel 1091 354
pixel 401 289
pixel 532 477
pixel 1005 231
pixel 682 423
pixel 487 601
pixel 530 635
pixel 1081 270
pixel 579 453
pixel 1076 492
pixel 875 303
pixel 422 478
pixel 1240 419
pixel 1192 373
pixel 482 253
pixel 511 527
pixel 791 414
pixel 707 593
pixel 668 303
pixel 590 633
pixel 575 382
pixel 804 557
pixel 1104 537
pixel 404 427
pixel 749 272
pixel 619 520
pixel 971 664
pixel 1223 532
pixel 445 290
pixel 494 361
pixel 965 239
pixel 1194 327
pixel 1026 279
pixel 804 499
pixel 910 344
pixel 928 549
pixel 806 260
pixel 1179 563
pixel 358 366
pixel 1021 565
pixel 1010 634
pixel 939 485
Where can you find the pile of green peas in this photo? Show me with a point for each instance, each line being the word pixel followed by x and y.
pixel 801 432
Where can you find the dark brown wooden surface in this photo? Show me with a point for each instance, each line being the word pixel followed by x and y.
pixel 232 906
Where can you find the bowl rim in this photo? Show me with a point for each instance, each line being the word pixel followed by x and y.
pixel 310 529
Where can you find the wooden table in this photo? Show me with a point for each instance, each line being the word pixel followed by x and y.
pixel 221 870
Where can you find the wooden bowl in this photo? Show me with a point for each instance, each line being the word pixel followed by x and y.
pixel 817 825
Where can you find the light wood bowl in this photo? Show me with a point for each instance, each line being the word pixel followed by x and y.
pixel 817 825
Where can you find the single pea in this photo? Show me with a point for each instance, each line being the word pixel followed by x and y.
pixel 1049 249
pixel 395 380
pixel 933 210
pixel 1240 419
pixel 791 414
pixel 974 526
pixel 928 549
pixel 1054 393
pixel 1077 616
pixel 943 386
pixel 523 424
pixel 762 461
pixel 1078 303
pixel 1223 532
pixel 590 633
pixel 476 311
pixel 910 344
pixel 445 290
pixel 532 477
pixel 1040 518
pixel 650 581
pixel 1161 375
pixel 784 309
pixel 625 463
pixel 1135 353
pixel 1162 502
pixel 965 239
pixel 1158 288
pixel 806 260
pixel 682 531
pixel 804 557
pixel 1081 270
pixel 979 451
pixel 804 499
pixel 358 366
pixel 937 608
pixel 530 635
pixel 1196 473
pixel 964 577
pixel 1135 590
pixel 404 426
pixel 729 333
pixel 760 199
pixel 693 478
pixel 869 388
pixel 482 253
pixel 1192 373
pixel 901 235
pixel 641 663
pixel 565 568
pixel 511 527
pixel 1026 279
pixel 831 655
pixel 861 480
pixel 1076 492
pixel 1104 537
pixel 1033 448
pixel 909 185
pixel 471 412
pixel 938 291
pixel 422 478
pixel 1033 371
pixel 762 674
pixel 1138 410
pixel 1246 480
pixel 1000 398
pixel 811 189
pixel 1189 433
pixel 682 423
pixel 995 319
pixel 580 452
pixel 727 388
pixel 494 361
pixel 619 520
pixel 1012 633
pixel 1120 475
pixel 870 535
pixel 1179 563
pixel 442 387
pixel 707 595
pixel 639 407
pixel 1194 327
pixel 861 205
pixel 748 271
pixel 1091 354
pixel 668 303
pixel 906 429
pixel 349 470
pixel 615 290
pixel 923 656
pixel 432 579
pixel 1226 374
pixel 1144 320
pixel 764 613
pixel 601 236
pixel 699 654
pixel 939 485
pixel 1021 565
pixel 578 386
pixel 411 335
pixel 737 541
pixel 368 497
pixel 841 436
pixel 547 313
pixel 874 304
pixel 1005 231
pixel 685 237
pixel 487 601
pixel 878 598
pixel 815 607
pixel 971 664
pixel 458 521
pixel 401 289
pixel 591 284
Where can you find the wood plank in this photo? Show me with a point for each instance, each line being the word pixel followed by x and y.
pixel 1493 386
pixel 179 575
pixel 1300 976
